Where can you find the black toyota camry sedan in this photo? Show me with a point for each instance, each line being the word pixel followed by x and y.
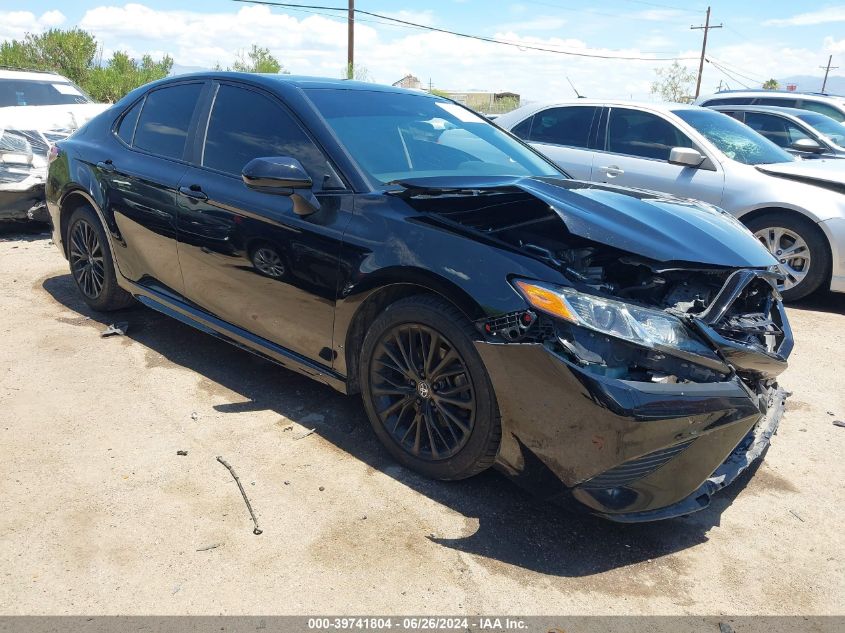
pixel 613 349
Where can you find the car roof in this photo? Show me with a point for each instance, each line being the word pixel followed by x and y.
pixel 31 75
pixel 644 105
pixel 299 81
pixel 795 112
pixel 812 96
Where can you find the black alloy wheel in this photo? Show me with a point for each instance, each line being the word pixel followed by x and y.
pixel 86 259
pixel 91 263
pixel 426 390
pixel 424 396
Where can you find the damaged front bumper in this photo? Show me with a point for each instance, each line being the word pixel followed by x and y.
pixel 634 450
pixel 749 450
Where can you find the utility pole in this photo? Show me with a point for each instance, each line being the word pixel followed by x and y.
pixel 706 28
pixel 827 70
pixel 350 41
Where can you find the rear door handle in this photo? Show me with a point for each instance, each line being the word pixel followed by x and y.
pixel 106 165
pixel 194 191
pixel 612 171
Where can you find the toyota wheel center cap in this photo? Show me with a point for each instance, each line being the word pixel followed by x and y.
pixel 423 390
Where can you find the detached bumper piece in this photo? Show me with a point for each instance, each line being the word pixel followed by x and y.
pixel 627 442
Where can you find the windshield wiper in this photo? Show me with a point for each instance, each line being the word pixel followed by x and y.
pixel 413 190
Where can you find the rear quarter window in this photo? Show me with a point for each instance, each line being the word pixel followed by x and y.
pixel 126 128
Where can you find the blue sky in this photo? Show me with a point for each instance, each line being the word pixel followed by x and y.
pixel 760 40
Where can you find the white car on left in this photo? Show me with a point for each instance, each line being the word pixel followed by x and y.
pixel 36 110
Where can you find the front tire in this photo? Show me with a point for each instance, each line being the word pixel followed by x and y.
pixel 91 263
pixel 800 248
pixel 426 391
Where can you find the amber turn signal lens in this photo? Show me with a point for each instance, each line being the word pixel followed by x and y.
pixel 546 300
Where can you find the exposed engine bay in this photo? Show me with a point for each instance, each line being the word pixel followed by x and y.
pixel 524 222
pixel 521 221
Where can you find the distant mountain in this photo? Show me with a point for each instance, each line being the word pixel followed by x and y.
pixel 809 83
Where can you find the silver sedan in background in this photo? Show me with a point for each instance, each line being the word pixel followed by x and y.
pixel 800 132
pixel 795 207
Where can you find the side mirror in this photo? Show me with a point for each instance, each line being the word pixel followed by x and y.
pixel 807 145
pixel 685 156
pixel 278 174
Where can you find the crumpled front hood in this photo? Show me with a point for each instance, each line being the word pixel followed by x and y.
pixel 645 223
pixel 815 172
pixel 45 118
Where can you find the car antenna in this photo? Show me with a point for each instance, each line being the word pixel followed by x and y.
pixel 577 94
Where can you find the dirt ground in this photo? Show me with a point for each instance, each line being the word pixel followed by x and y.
pixel 99 515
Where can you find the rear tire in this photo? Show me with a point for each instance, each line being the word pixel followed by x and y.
pixel 800 248
pixel 426 390
pixel 91 263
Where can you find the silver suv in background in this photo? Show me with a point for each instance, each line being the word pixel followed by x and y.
pixel 828 105
pixel 800 132
pixel 796 208
pixel 36 110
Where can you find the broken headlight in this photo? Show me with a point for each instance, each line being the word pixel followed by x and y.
pixel 633 323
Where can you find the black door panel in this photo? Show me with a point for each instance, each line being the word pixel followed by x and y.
pixel 142 199
pixel 247 258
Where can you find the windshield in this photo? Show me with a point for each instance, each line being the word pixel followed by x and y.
pixel 734 139
pixel 833 130
pixel 22 92
pixel 396 136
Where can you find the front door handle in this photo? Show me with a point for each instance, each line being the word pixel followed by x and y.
pixel 106 165
pixel 613 171
pixel 194 191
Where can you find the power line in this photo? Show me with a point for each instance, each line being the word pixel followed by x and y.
pixel 481 38
pixel 734 69
pixel 727 74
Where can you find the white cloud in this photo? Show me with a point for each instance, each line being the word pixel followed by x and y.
pixel 659 15
pixel 16 24
pixel 52 18
pixel 822 16
pixel 834 46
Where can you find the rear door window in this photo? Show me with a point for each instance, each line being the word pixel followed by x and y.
pixel 523 130
pixel 643 134
pixel 780 131
pixel 165 119
pixel 245 125
pixel 568 126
